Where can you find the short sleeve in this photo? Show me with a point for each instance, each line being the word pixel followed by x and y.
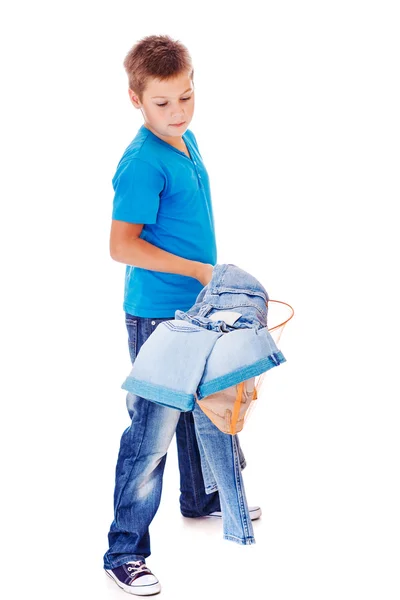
pixel 137 186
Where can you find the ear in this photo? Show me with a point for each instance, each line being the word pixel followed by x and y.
pixel 134 98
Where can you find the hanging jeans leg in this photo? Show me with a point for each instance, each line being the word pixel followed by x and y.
pixel 199 491
pixel 221 452
pixel 209 479
pixel 194 500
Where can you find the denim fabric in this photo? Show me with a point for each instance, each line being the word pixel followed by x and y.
pixel 194 355
pixel 178 364
pixel 220 461
pixel 230 288
pixel 171 363
pixel 141 462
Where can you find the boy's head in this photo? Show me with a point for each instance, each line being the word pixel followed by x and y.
pixel 160 74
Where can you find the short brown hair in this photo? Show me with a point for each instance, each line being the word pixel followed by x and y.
pixel 157 56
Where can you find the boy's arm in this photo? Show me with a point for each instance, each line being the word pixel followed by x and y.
pixel 127 247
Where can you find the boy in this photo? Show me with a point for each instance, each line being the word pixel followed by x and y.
pixel 162 223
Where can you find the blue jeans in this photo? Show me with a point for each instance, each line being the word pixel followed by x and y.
pixel 141 462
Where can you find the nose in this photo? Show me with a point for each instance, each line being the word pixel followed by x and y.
pixel 177 115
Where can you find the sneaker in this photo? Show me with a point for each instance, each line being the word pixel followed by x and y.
pixel 135 577
pixel 254 512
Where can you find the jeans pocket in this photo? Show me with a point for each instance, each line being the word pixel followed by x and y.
pixel 180 326
pixel 132 327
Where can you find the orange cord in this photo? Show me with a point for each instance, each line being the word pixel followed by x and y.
pixel 236 406
pixel 281 325
pixel 284 322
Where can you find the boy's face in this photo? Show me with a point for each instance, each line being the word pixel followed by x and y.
pixel 165 104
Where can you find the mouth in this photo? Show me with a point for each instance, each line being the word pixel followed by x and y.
pixel 178 124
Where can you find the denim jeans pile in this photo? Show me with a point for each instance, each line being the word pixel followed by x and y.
pixel 195 355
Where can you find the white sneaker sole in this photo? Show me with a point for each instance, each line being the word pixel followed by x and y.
pixel 137 590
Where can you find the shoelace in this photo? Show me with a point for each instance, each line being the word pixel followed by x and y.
pixel 136 568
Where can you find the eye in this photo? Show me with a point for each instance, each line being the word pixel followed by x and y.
pixel 183 99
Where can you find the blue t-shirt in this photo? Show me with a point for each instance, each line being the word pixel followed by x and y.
pixel 159 186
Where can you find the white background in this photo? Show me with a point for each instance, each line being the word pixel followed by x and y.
pixel 297 119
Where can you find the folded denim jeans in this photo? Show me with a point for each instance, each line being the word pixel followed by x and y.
pixel 194 355
pixel 170 364
pixel 230 288
pixel 193 362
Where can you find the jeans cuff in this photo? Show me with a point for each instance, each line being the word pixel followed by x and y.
pixel 121 560
pixel 244 541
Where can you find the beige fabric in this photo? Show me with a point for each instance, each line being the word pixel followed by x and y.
pixel 219 407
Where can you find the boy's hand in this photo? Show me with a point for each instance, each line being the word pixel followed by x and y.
pixel 204 273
